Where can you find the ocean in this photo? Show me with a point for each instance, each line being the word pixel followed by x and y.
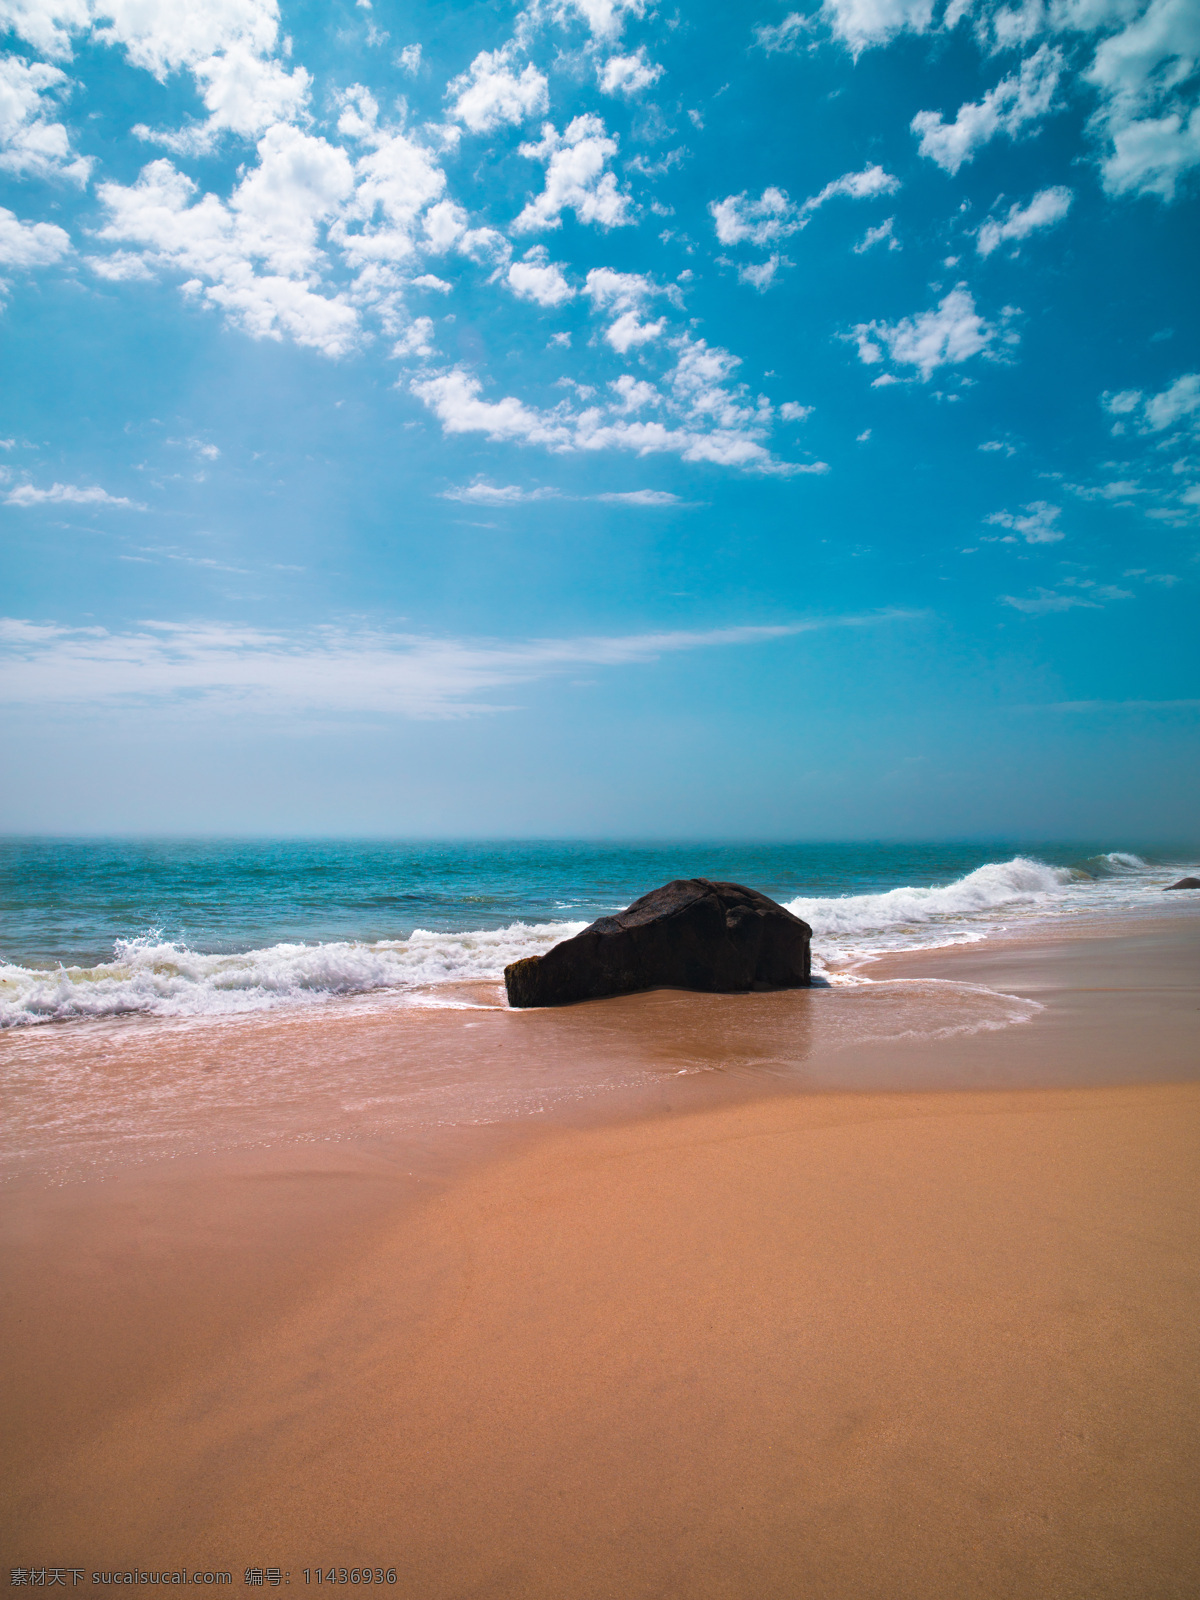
pixel 193 928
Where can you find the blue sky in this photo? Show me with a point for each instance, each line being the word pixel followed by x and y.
pixel 600 419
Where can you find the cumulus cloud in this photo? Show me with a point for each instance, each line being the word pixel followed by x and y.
pixel 627 75
pixel 491 92
pixel 605 18
pixel 272 220
pixel 710 417
pixel 773 216
pixel 1148 115
pixel 792 411
pixel 1178 403
pixel 66 494
pixel 244 92
pixel 263 256
pixel 952 333
pixel 761 275
pixel 860 23
pixel 535 277
pixel 416 340
pixel 864 185
pixel 32 142
pixel 30 244
pixel 1046 208
pixel 740 220
pixel 1024 97
pixel 1037 523
pixel 577 178
pixel 216 668
pixel 624 293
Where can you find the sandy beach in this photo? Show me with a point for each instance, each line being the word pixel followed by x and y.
pixel 922 1321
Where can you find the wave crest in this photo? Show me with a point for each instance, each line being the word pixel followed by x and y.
pixel 154 977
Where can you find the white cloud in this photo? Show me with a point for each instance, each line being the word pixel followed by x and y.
pixel 864 185
pixel 642 497
pixel 740 220
pixel 998 447
pixel 1043 601
pixel 245 94
pixel 635 394
pixel 1023 97
pixel 30 244
pixel 1046 208
pixel 46 24
pixel 1141 73
pixel 618 291
pixel 409 59
pixel 535 277
pixel 416 340
pixel 629 332
pixel 482 493
pixel 1179 402
pixel 490 92
pixel 716 421
pixel 953 333
pixel 32 143
pixel 122 266
pixel 66 494
pixel 625 293
pixel 1037 523
pixel 784 36
pixel 883 234
pixel 576 178
pixel 605 18
pixel 860 23
pixel 393 181
pixel 792 411
pixel 627 74
pixel 455 399
pixel 272 219
pixel 761 275
pixel 217 668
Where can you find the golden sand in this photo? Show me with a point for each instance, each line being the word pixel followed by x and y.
pixel 874 1344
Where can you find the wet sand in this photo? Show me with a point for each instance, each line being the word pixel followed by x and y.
pixel 850 1341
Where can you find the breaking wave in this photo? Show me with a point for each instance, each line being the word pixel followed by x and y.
pixel 155 977
pixel 1002 885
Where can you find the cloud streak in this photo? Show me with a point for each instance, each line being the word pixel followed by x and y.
pixel 219 668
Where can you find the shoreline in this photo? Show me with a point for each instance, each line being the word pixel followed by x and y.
pixel 751 1337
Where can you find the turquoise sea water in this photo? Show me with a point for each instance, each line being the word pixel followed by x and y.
pixel 95 927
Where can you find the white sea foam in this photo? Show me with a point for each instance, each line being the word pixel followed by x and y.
pixel 157 978
pixel 154 977
pixel 970 907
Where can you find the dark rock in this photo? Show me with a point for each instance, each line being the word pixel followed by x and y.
pixel 690 934
pixel 1184 883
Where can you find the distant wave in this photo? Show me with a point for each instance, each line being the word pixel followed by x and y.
pixel 152 976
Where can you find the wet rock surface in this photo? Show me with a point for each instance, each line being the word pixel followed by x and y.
pixel 693 933
pixel 1184 883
